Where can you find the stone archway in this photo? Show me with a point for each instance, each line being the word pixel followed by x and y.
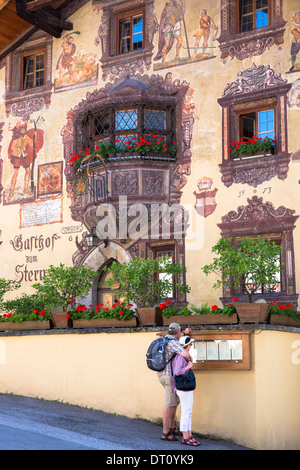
pixel 100 257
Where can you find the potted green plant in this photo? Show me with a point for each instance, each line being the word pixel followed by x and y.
pixel 6 285
pixel 60 286
pixel 146 283
pixel 27 312
pixel 102 316
pixel 247 264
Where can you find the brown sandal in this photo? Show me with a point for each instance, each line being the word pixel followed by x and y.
pixel 167 436
pixel 190 441
pixel 175 432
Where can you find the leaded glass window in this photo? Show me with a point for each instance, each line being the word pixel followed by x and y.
pixel 120 123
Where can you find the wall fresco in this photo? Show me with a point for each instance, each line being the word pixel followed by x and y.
pixel 174 36
pixel 50 179
pixel 74 68
pixel 22 152
pixel 37 184
pixel 295 45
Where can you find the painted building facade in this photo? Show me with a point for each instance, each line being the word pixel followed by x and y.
pixel 201 74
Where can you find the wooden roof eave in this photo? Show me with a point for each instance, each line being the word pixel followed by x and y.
pixel 44 17
pixel 17 42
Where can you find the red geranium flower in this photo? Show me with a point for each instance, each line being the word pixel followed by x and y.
pixel 281 307
pixel 121 312
pixel 162 306
pixel 214 307
pixel 168 302
pixel 235 299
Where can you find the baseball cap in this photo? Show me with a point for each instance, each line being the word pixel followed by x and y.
pixel 185 340
pixel 174 328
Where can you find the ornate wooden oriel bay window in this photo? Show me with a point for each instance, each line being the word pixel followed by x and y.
pixel 254 104
pixel 127 123
pixel 131 109
pixel 249 27
pixel 261 218
pixel 130 113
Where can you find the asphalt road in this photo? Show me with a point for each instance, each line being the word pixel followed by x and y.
pixel 32 424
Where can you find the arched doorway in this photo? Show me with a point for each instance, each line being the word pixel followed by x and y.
pixel 97 259
pixel 104 294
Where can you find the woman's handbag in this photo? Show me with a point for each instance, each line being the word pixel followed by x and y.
pixel 186 382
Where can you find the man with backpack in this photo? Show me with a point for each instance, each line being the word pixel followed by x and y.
pixel 165 376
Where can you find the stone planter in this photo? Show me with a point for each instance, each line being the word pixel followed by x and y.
pixel 210 319
pixel 150 316
pixel 104 323
pixel 252 312
pixel 284 320
pixel 26 325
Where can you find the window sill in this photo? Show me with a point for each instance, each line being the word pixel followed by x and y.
pixel 27 101
pixel 251 43
pixel 255 169
pixel 113 66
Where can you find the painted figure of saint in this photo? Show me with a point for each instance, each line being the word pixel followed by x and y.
pixel 206 23
pixel 22 150
pixel 170 29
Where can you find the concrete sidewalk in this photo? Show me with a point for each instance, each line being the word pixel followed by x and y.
pixel 32 424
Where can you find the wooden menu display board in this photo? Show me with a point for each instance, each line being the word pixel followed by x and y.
pixel 222 350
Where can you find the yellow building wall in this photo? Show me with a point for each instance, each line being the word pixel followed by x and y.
pixel 258 408
pixel 207 80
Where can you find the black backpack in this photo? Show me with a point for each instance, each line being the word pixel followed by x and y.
pixel 156 355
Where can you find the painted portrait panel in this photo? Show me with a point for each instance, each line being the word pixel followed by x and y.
pixel 50 179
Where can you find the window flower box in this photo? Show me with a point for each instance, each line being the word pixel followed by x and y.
pixel 205 319
pixel 252 148
pixel 136 147
pixel 104 323
pixel 26 325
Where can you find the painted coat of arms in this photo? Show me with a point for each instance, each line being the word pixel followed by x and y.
pixel 205 199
